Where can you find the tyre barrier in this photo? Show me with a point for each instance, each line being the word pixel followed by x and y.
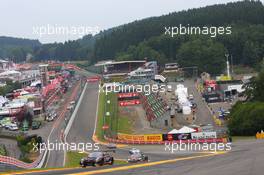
pixel 217 140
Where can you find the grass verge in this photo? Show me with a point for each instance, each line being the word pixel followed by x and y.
pixel 240 138
pixel 115 121
pixel 124 125
pixel 100 113
pixel 73 159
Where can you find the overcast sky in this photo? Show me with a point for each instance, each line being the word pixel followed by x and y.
pixel 22 18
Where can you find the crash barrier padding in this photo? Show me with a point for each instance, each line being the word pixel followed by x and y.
pixel 260 135
pixel 217 140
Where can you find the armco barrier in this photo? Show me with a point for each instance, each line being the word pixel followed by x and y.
pixel 218 140
pixel 20 164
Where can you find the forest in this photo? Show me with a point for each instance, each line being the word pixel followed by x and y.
pixel 146 39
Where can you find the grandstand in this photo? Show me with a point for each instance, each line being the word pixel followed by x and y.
pixel 119 68
pixel 156 111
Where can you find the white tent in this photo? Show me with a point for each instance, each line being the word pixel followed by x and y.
pixel 174 131
pixel 185 129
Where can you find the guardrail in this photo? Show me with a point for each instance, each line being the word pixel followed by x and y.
pixel 21 164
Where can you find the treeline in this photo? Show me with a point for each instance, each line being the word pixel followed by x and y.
pixel 245 44
pixel 245 12
pixel 145 38
pixel 247 118
pixel 81 49
pixel 17 49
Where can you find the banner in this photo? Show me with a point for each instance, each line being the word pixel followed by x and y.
pixel 203 135
pixel 126 95
pixel 153 137
pixel 129 103
pixel 171 137
pixel 146 137
pixel 129 137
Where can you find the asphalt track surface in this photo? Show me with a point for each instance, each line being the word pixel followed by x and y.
pixel 245 158
pixel 83 126
pixel 55 158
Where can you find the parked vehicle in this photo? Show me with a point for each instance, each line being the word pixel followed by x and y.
pixel 72 103
pixel 180 79
pixel 97 158
pixel 51 116
pixel 169 88
pixel 69 107
pixel 36 124
pixel 191 97
pixel 12 127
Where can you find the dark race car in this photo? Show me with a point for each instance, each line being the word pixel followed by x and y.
pixel 97 158
pixel 137 157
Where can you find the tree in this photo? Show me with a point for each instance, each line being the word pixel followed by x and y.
pixel 254 89
pixel 246 118
pixel 205 53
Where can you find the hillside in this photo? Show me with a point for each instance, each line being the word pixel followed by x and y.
pixel 16 48
pixel 145 38
pixel 246 12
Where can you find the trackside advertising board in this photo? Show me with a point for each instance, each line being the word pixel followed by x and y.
pixel 126 95
pixel 203 135
pixel 129 103
pixel 145 137
pixel 171 137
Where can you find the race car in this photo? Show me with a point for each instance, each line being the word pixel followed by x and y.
pixel 137 157
pixel 97 158
pixel 134 150
pixel 111 146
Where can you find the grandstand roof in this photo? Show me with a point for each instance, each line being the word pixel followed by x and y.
pixel 104 63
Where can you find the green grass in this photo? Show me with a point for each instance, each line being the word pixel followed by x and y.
pixel 73 159
pixel 3 151
pixel 115 122
pixel 100 115
pixel 124 125
pixel 120 162
pixel 239 138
